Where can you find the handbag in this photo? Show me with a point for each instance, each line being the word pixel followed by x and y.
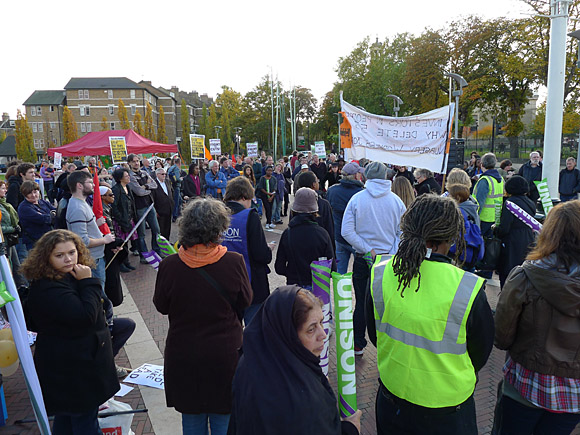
pixel 490 258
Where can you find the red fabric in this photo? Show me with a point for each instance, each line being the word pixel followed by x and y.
pixel 97 144
pixel 98 205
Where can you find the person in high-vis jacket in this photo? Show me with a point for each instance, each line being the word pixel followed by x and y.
pixel 488 192
pixel 433 326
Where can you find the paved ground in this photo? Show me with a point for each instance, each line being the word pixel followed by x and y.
pixel 148 344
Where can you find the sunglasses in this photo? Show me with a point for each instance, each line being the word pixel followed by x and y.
pixel 109 194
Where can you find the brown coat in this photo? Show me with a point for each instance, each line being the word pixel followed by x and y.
pixel 201 350
pixel 538 319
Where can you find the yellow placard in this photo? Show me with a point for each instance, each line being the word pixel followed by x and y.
pixel 197 142
pixel 118 149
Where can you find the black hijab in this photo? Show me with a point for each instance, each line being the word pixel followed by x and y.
pixel 279 387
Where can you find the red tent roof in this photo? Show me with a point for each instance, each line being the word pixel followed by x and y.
pixel 97 144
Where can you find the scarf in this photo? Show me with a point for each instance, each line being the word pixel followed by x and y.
pixel 11 211
pixel 201 255
pixel 277 369
pixel 195 179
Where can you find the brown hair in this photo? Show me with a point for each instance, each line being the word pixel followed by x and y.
pixel 458 192
pixel 29 187
pixel 12 170
pixel 304 302
pixel 37 265
pixel 24 167
pixel 239 189
pixel 252 177
pixel 560 235
pixel 403 189
pixel 3 182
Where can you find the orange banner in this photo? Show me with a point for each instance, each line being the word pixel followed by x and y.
pixel 345 132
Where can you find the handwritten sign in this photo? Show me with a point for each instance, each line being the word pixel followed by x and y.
pixel 149 375
pixel 197 142
pixel 252 148
pixel 319 149
pixel 57 160
pixel 118 149
pixel 215 147
pixel 417 141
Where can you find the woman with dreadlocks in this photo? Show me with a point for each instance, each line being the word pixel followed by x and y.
pixel 434 327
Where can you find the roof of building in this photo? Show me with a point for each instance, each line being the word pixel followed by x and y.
pixel 8 147
pixel 45 98
pixel 101 83
pixel 153 90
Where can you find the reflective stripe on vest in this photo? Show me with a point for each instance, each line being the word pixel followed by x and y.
pixel 448 343
pixel 494 199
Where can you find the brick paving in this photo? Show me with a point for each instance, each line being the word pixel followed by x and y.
pixel 141 286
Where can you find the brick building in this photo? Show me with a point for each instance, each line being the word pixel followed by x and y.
pixel 44 113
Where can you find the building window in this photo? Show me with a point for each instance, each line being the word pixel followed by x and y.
pixel 34 127
pixel 111 109
pixel 86 94
pixel 133 109
pixel 82 110
pixel 38 111
pixel 112 125
pixel 40 128
pixel 83 128
pixel 35 143
pixel 110 94
pixel 32 111
pixel 89 128
pixel 87 110
pixel 52 125
pixel 41 142
pixel 80 94
pixel 52 108
pixel 132 94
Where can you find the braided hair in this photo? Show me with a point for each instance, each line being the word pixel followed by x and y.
pixel 429 218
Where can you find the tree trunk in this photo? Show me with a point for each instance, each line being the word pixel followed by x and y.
pixel 514 148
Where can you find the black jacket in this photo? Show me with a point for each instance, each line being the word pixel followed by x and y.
pixel 259 253
pixel 303 242
pixel 408 175
pixel 429 185
pixel 163 202
pixel 569 183
pixel 73 356
pixel 532 174
pixel 324 218
pixel 320 171
pixel 13 195
pixel 338 198
pixel 480 328
pixel 188 186
pixel 123 209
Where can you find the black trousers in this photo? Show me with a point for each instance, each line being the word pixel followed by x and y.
pixel 397 416
pixel 164 225
pixel 268 209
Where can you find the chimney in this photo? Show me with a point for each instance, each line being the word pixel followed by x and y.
pixel 5 117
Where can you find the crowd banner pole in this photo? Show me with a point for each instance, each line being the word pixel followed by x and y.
pixel 345 364
pixel 321 274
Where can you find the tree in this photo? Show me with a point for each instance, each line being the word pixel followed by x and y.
pixel 104 124
pixel 204 123
pixel 2 136
pixel 326 126
pixel 256 115
pixel 122 114
pixel 69 126
pixel 185 130
pixel 137 124
pixel 211 123
pixel 24 142
pixel 149 129
pixel 161 135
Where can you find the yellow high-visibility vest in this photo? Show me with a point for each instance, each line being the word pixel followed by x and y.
pixel 491 209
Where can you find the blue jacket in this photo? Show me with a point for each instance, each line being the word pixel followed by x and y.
pixel 281 187
pixel 35 221
pixel 229 173
pixel 215 182
pixel 338 195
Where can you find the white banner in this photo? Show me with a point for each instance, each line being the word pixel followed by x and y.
pixel 215 147
pixel 252 148
pixel 319 149
pixel 418 141
pixel 57 160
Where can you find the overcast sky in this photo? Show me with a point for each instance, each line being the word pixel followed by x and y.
pixel 202 45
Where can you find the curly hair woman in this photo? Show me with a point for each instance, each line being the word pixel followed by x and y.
pixel 73 356
pixel 434 327
pixel 203 289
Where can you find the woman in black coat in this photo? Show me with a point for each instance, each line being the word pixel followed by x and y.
pixel 73 356
pixel 515 235
pixel 194 184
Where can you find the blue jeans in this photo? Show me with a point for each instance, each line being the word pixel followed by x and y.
pixel 178 201
pixel 343 253
pixel 66 423
pixel 259 201
pixel 151 219
pixel 99 271
pixel 277 209
pixel 196 424
pixel 361 275
pixel 21 250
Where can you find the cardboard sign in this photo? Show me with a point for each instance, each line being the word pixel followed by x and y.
pixel 118 149
pixel 319 149
pixel 149 375
pixel 57 160
pixel 252 149
pixel 215 147
pixel 197 142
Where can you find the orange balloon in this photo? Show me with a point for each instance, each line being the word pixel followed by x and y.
pixel 8 353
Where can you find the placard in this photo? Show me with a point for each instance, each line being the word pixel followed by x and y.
pixel 57 160
pixel 149 375
pixel 118 149
pixel 320 149
pixel 215 147
pixel 252 149
pixel 197 142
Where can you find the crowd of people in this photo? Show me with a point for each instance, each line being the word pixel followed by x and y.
pixel 416 244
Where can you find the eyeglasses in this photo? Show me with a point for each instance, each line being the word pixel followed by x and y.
pixel 109 194
pixel 161 173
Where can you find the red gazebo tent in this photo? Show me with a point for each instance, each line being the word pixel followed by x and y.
pixel 97 144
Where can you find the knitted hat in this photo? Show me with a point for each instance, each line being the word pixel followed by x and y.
pixel 376 170
pixel 305 201
pixel 517 185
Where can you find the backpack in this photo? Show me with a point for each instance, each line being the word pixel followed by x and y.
pixel 474 244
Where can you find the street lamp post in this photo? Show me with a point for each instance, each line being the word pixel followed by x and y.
pixel 461 82
pixel 217 129
pixel 238 131
pixel 576 35
pixel 396 104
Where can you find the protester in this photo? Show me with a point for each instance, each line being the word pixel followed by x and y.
pixel 303 242
pixel 516 236
pixel 73 352
pixel 569 181
pixel 163 199
pixel 60 184
pixel 281 367
pixel 105 178
pixel 426 182
pixel 227 170
pixel 505 169
pixel 332 177
pixel 319 168
pixel 269 161
pixel 266 190
pixel 280 192
pixel 370 225
pixel 123 209
pixel 141 185
pixel 24 172
pixel 532 171
pixel 338 197
pixel 429 347
pixel 301 166
pixel 205 332
pixel 488 193
pixel 11 231
pixel 538 323
pixel 215 181
pixel 404 190
pixel 403 172
pixel 47 175
pixel 287 185
pixel 194 184
pixel 246 236
pixel 35 215
pixel 174 176
pixel 257 168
